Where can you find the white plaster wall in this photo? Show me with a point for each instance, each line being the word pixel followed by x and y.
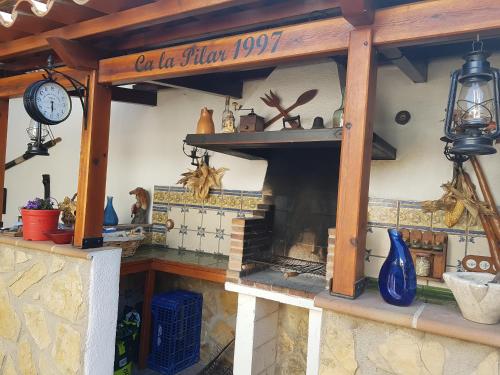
pixel 103 312
pixel 146 142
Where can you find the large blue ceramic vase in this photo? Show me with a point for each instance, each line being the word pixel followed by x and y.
pixel 397 280
pixel 110 216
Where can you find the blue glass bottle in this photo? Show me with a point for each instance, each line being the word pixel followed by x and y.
pixel 397 280
pixel 110 216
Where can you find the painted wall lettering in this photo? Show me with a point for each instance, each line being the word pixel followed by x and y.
pixel 199 54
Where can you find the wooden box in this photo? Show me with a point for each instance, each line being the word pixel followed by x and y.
pixel 251 123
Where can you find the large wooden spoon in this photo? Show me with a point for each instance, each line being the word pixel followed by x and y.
pixel 301 100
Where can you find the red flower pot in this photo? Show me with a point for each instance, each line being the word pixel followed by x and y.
pixel 37 222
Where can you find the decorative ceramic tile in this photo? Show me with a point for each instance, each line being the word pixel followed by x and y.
pixel 160 197
pixel 477 245
pixel 160 217
pixel 476 228
pixel 200 231
pixel 225 245
pixel 249 203
pixel 226 222
pixel 382 212
pixel 211 221
pixel 220 234
pixel 191 240
pixel 231 200
pixel 176 214
pixel 193 218
pixel 438 223
pixel 377 242
pixel 210 243
pixel 372 266
pixel 158 239
pixel 174 238
pixel 413 217
pixel 456 249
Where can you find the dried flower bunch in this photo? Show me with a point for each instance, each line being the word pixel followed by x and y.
pixel 39 204
pixel 457 199
pixel 201 180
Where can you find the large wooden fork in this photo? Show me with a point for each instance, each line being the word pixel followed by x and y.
pixel 274 101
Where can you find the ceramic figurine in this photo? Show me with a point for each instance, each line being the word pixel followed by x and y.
pixel 397 280
pixel 139 209
pixel 206 123
pixel 110 216
pixel 228 118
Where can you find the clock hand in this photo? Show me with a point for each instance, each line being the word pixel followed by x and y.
pixel 52 105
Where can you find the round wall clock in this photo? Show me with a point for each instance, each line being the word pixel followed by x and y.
pixel 47 102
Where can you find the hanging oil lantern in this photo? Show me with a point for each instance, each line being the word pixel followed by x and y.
pixel 471 123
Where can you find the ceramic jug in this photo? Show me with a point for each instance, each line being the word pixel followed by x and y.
pixel 206 123
pixel 397 280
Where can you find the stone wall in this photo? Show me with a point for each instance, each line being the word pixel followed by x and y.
pixel 43 312
pixel 291 356
pixel 353 346
pixel 218 315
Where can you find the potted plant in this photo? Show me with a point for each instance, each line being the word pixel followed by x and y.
pixel 39 217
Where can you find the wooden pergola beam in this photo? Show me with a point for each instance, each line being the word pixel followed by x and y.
pixel 410 24
pixel 214 25
pixel 142 16
pixel 358 12
pixel 4 120
pixel 414 70
pixel 93 166
pixel 13 87
pixel 355 160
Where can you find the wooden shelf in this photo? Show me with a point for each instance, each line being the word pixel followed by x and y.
pixel 261 145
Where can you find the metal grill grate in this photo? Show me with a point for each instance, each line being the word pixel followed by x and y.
pixel 286 264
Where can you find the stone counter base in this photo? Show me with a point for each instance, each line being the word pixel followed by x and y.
pixel 48 304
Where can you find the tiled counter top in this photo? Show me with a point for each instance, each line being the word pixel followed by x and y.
pixel 199 265
pixel 443 320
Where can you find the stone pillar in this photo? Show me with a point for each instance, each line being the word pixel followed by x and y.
pixel 256 336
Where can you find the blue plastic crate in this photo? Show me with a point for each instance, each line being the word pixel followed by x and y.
pixel 176 318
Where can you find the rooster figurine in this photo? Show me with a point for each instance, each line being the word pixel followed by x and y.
pixel 139 209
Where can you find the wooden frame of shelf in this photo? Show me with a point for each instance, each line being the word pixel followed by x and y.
pixel 259 145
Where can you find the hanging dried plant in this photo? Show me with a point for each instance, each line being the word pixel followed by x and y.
pixel 457 199
pixel 202 179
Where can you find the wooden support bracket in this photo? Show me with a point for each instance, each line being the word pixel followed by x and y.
pixel 75 54
pixel 93 166
pixel 414 70
pixel 348 272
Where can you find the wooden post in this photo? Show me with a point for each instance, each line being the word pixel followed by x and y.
pixel 348 272
pixel 149 288
pixel 4 119
pixel 93 166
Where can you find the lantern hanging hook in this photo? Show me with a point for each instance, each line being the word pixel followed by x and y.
pixel 477 45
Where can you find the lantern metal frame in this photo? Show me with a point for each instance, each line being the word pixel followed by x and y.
pixel 475 139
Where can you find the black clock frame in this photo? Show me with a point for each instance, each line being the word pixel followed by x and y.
pixel 31 107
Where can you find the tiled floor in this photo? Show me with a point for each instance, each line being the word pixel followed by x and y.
pixel 193 370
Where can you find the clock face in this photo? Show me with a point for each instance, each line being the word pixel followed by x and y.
pixel 53 102
pixel 47 102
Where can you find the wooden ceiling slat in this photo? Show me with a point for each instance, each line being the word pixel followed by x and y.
pixel 31 24
pixel 7 34
pixel 247 19
pixel 143 16
pixel 111 6
pixel 68 12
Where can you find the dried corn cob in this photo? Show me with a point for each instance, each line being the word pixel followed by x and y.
pixel 452 217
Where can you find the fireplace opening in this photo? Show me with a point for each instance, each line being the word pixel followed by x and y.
pixel 285 246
